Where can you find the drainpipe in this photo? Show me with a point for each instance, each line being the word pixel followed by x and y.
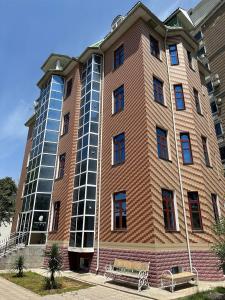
pixel 178 160
pixel 100 165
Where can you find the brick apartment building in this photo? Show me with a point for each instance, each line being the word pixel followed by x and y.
pixel 122 159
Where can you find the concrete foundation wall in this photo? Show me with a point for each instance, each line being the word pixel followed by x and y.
pixel 34 257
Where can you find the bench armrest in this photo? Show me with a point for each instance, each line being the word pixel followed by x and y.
pixel 167 272
pixel 109 268
pixel 143 274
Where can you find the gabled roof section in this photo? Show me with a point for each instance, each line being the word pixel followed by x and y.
pixel 51 61
pixel 180 18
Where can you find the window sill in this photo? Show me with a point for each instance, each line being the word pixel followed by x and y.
pixel 162 104
pixel 192 68
pixel 209 166
pixel 119 230
pixel 59 178
pixel 116 68
pixel 174 64
pixel 159 58
pixel 116 113
pixel 188 164
pixel 53 231
pixel 65 98
pixel 198 231
pixel 180 109
pixel 118 164
pixel 62 135
pixel 172 231
pixel 165 159
pixel 200 114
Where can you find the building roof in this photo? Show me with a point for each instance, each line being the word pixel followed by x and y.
pixel 203 9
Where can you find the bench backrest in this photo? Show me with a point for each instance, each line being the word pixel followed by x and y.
pixel 130 265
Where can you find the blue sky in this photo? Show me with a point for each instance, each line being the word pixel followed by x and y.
pixel 32 29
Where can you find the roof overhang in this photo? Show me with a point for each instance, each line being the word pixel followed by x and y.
pixel 137 12
pixel 30 121
pixel 67 69
pixel 173 31
pixel 52 59
pixel 183 17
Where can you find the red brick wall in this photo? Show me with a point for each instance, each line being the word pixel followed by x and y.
pixel 204 261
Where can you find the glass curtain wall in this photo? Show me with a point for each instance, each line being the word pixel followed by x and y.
pixel 42 162
pixel 84 197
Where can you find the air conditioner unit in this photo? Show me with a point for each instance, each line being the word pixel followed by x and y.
pixel 218 101
pixel 216 76
pixel 216 83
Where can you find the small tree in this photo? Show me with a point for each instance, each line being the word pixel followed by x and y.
pixel 54 266
pixel 7 199
pixel 19 266
pixel 219 246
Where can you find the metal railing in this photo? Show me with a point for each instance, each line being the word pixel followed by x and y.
pixel 13 242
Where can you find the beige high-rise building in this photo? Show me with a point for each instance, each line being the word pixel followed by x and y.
pixel 206 22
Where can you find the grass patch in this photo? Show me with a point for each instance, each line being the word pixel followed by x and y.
pixel 205 295
pixel 35 283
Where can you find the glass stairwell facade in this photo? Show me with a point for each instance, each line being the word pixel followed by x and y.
pixel 34 216
pixel 85 183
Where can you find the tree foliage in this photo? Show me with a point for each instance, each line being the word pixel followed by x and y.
pixel 219 246
pixel 54 266
pixel 8 191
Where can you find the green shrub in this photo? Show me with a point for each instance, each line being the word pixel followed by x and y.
pixel 54 266
pixel 19 266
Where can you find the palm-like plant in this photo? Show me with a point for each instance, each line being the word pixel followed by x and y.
pixel 54 265
pixel 19 266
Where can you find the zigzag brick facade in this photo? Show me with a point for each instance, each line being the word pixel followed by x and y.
pixel 142 175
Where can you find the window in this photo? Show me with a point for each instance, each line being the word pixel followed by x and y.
pixel 55 221
pixel 195 213
pixel 222 153
pixel 205 151
pixel 197 102
pixel 209 87
pixel 69 86
pixel 218 129
pixel 61 167
pixel 162 143
pixel 158 90
pixel 201 51
pixel 168 210
pixel 66 120
pixel 118 95
pixel 213 107
pixel 215 207
pixel 173 55
pixel 154 47
pixel 186 148
pixel 198 36
pixel 179 96
pixel 120 210
pixel 118 56
pixel 189 55
pixel 119 148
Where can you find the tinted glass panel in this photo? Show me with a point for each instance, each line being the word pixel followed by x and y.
pixel 42 201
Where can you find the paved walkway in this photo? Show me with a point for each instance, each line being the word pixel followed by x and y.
pixel 11 291
pixel 101 291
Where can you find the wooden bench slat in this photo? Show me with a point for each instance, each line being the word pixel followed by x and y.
pixel 130 265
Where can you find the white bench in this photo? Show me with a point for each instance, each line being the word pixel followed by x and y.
pixel 123 269
pixel 168 279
